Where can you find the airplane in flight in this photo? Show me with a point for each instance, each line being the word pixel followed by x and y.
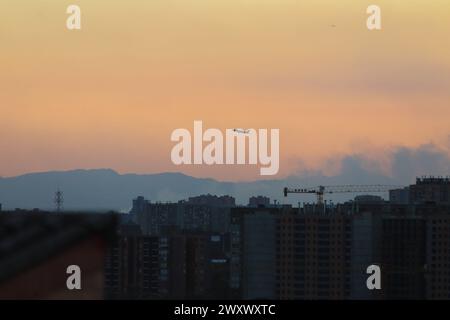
pixel 244 131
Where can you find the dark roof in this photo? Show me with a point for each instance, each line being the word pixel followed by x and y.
pixel 29 238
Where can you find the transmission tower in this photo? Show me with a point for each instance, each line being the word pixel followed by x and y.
pixel 59 200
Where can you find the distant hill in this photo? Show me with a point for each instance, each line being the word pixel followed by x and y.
pixel 105 189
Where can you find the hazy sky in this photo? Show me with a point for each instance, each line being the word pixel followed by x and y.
pixel 109 95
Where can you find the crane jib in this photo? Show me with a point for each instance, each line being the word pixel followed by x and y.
pixel 321 190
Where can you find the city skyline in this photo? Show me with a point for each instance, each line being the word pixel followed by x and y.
pixel 208 247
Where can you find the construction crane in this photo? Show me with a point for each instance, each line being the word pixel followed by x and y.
pixel 321 190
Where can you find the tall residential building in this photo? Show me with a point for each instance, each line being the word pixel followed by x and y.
pixel 290 253
pixel 213 200
pixel 430 190
pixel 399 196
pixel 192 215
pixel 313 255
pixel 144 267
pixel 437 270
pixel 253 252
pixel 365 251
pixel 259 201
pixel 403 261
pixel 177 265
pixel 322 252
pixel 207 266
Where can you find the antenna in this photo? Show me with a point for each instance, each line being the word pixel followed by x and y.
pixel 59 200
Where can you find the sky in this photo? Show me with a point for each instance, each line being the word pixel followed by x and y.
pixel 109 95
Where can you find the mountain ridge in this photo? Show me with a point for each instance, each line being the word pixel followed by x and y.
pixel 106 189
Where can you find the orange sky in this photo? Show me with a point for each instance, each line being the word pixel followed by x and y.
pixel 109 95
